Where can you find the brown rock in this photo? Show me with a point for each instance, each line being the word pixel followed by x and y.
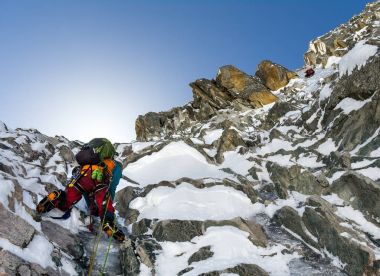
pixel 274 76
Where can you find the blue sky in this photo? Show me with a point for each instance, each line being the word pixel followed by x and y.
pixel 86 69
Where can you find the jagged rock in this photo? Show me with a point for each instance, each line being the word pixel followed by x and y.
pixel 294 178
pixel 141 227
pixel 273 75
pixel 237 82
pixel 256 233
pixel 186 230
pixel 247 269
pixel 354 129
pixel 289 218
pixel 67 241
pixel 123 198
pixel 322 229
pixel 241 270
pixel 128 259
pixel 16 230
pixel 321 221
pixel 14 265
pixel 147 250
pixel 279 109
pixel 360 192
pixel 230 140
pixel 343 38
pixel 67 154
pixel 206 90
pixel 177 230
pixel 338 159
pixel 202 254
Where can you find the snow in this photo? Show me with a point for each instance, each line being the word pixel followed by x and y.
pixel 347 105
pixel 356 57
pixel 22 213
pixel 325 92
pixel 231 247
pixel 174 161
pixel 348 213
pixel 371 172
pixel 38 251
pixel 236 162
pixel 375 153
pixel 294 200
pixel 309 161
pixel 273 146
pixel 361 164
pixel 6 190
pixel 327 147
pixel 186 202
pixel 369 140
pixel 282 160
pixel 139 146
pixel 212 136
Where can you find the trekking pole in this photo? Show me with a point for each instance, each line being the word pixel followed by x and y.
pixel 97 240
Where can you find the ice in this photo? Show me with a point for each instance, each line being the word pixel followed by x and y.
pixel 375 153
pixel 186 202
pixel 356 57
pixel 174 161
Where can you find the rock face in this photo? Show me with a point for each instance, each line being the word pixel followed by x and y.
pixel 321 228
pixel 342 39
pixel 16 230
pixel 274 76
pixel 232 87
pixel 360 192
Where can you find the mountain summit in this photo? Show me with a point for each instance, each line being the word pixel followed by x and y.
pixel 276 173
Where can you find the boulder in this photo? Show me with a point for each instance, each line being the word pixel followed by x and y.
pixel 207 90
pixel 237 82
pixel 202 254
pixel 66 240
pixel 295 178
pixel 129 263
pixel 16 230
pixel 229 141
pixel 273 75
pixel 177 230
pixel 360 192
pixel 240 269
pixel 147 249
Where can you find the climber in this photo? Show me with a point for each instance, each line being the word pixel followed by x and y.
pixel 95 179
pixel 309 73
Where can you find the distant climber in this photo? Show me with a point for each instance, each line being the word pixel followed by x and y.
pixel 95 179
pixel 309 72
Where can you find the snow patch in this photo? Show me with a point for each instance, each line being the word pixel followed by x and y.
pixel 186 202
pixel 356 57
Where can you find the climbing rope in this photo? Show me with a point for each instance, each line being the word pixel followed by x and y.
pixel 109 247
pixel 97 240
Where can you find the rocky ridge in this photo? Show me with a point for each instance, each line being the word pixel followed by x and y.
pixel 271 174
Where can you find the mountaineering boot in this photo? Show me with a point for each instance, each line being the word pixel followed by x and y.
pixel 112 230
pixel 50 201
